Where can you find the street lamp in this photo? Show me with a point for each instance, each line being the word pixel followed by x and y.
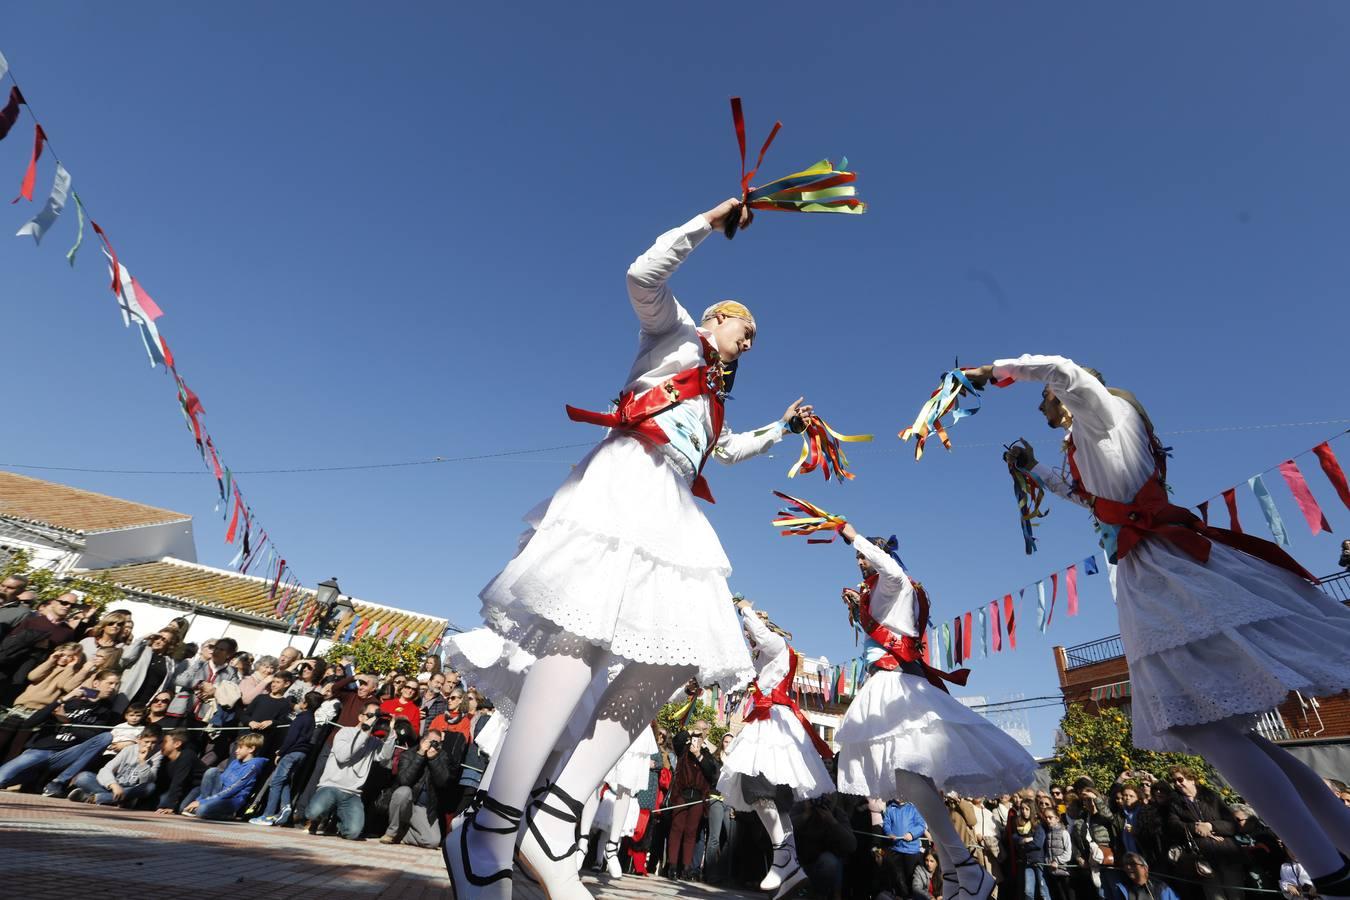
pixel 329 608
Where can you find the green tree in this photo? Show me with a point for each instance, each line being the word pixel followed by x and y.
pixel 1101 746
pixel 98 592
pixel 373 655
pixel 671 717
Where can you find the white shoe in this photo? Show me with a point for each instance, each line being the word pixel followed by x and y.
pixel 968 879
pixel 467 884
pixel 794 877
pixel 612 864
pixel 784 862
pixel 556 873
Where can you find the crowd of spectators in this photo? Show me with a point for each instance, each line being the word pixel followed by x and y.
pixel 94 714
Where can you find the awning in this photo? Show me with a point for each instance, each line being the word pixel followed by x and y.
pixel 1115 691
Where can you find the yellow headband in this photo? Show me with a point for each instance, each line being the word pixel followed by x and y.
pixel 733 308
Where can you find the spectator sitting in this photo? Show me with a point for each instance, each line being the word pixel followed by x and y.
pixel 405 706
pixel 16 603
pixel 157 712
pixel 353 751
pixel 127 778
pixel 57 621
pixel 1137 885
pixel 927 880
pixel 308 676
pixel 113 632
pixel 147 668
pixel 259 680
pixel 1262 851
pixel 825 842
pixel 1294 879
pixel 902 822
pixel 269 711
pixel 179 774
pixel 297 746
pixel 196 682
pixel 222 794
pixel 60 673
pixel 454 718
pixel 288 659
pixel 61 728
pixel 425 780
pixel 434 702
pixel 109 742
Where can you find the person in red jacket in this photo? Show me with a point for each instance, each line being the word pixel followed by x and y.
pixel 406 705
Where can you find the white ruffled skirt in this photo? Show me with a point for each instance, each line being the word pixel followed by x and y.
pixel 622 556
pixel 633 770
pixel 493 732
pixel 901 721
pixel 1222 640
pixel 779 749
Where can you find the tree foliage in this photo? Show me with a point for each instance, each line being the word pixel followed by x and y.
pixel 374 656
pixel 97 592
pixel 671 717
pixel 1101 746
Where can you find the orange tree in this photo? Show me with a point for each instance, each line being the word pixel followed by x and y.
pixel 373 655
pixel 1101 746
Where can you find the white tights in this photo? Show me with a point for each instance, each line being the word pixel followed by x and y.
pixel 778 826
pixel 1284 792
pixel 920 790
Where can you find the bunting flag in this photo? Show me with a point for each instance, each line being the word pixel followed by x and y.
pixel 947 660
pixel 351 629
pixel 1071 586
pixel 365 626
pixel 276 582
pixel 966 637
pixel 1230 501
pixel 10 114
pixel 1090 564
pixel 138 307
pixel 234 523
pixel 943 401
pixel 1204 511
pixel 929 644
pixel 30 176
pixel 309 617
pixel 984 632
pixel 1054 596
pixel 1267 502
pixel 996 626
pixel 79 239
pixel 4 66
pixel 1040 606
pixel 820 450
pixel 1332 468
pixel 393 636
pixel 958 641
pixel 1010 619
pixel 56 202
pixel 804 518
pixel 1307 503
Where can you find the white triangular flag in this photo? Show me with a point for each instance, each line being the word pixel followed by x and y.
pixel 56 202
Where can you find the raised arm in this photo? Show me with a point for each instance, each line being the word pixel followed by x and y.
pixel 732 448
pixel 764 637
pixel 1078 389
pixel 652 299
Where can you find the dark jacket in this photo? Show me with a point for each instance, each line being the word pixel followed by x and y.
pixel 822 827
pixel 178 776
pixel 434 776
pixel 300 736
pixel 1182 816
pixel 71 725
pixel 694 778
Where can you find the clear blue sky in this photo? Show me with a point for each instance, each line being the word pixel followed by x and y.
pixel 399 233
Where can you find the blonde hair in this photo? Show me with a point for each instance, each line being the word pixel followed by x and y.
pixel 252 740
pixel 733 308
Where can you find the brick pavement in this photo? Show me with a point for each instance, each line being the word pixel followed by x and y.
pixel 52 849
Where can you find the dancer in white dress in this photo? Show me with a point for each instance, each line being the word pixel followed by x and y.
pixel 1217 626
pixel 619 563
pixel 777 757
pixel 629 775
pixel 905 735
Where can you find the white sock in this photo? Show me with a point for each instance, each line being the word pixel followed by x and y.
pixel 768 813
pixel 553 686
pixel 622 799
pixel 1266 786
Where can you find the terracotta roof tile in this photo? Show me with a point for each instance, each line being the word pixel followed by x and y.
pixel 72 509
pixel 178 580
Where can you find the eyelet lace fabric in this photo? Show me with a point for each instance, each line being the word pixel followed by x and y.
pixel 778 749
pixel 900 721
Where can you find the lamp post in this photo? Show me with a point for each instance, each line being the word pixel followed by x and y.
pixel 329 608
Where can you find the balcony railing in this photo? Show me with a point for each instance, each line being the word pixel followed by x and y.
pixel 1094 652
pixel 1337 586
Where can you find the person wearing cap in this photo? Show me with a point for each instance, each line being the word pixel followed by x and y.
pixel 618 563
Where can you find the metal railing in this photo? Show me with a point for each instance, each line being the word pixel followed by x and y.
pixel 1337 586
pixel 1094 652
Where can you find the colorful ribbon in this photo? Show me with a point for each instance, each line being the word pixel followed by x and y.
pixel 1267 503
pixel 30 175
pixel 821 450
pixel 1030 494
pixel 804 518
pixel 943 401
pixel 1307 503
pixel 1327 458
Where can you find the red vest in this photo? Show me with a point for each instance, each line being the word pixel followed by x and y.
pixel 903 648
pixel 636 413
pixel 1152 515
pixel 782 696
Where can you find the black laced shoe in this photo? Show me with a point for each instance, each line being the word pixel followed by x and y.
pixel 467 884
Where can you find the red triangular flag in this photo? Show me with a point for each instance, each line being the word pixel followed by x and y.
pixel 1071 585
pixel 1307 503
pixel 1054 593
pixel 1332 468
pixel 1230 500
pixel 958 645
pixel 30 177
pixel 1204 511
pixel 966 636
pixel 234 522
pixel 995 625
pixel 1010 617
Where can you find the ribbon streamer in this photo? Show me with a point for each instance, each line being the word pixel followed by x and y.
pixel 984 632
pixel 1030 496
pixel 10 114
pixel 1071 585
pixel 995 626
pixel 967 634
pixel 1040 606
pixel 56 202
pixel 79 238
pixel 1090 564
pixel 805 518
pixel 821 450
pixel 1333 471
pixel 1307 503
pixel 1230 501
pixel 4 66
pixel 1054 598
pixel 1010 618
pixel 1273 520
pixel 943 401
pixel 30 176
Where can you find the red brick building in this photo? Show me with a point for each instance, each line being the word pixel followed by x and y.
pixel 1095 674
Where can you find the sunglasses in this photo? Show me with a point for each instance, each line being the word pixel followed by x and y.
pixel 160 700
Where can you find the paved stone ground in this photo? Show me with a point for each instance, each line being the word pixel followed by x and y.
pixel 52 849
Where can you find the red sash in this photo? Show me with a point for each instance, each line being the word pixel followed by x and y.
pixel 782 696
pixel 903 648
pixel 636 412
pixel 1151 514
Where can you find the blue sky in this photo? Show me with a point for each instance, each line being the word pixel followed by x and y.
pixel 397 234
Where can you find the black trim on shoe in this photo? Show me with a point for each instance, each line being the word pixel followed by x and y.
pixel 970 860
pixel 510 814
pixel 572 815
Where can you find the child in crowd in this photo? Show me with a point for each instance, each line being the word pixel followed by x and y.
pixel 109 743
pixel 223 794
pixel 127 777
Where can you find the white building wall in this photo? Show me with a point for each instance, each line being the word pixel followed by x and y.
pixel 141 544
pixel 254 639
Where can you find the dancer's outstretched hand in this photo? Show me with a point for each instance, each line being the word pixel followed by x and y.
pixel 1022 455
pixel 980 376
pixel 717 216
pixel 848 532
pixel 801 411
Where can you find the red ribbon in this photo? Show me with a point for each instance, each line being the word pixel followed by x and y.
pixel 903 648
pixel 1230 501
pixel 234 522
pixel 1009 615
pixel 116 266
pixel 1333 471
pixel 967 636
pixel 1307 503
pixel 738 119
pixel 782 696
pixel 10 114
pixel 1204 511
pixel 995 625
pixel 1071 584
pixel 29 177
pixel 1054 595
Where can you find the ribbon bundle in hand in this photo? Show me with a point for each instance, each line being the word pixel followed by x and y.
pixel 805 518
pixel 1030 495
pixel 944 400
pixel 821 450
pixel 822 188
